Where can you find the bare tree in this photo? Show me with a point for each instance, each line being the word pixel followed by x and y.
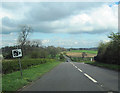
pixel 25 31
pixel 22 39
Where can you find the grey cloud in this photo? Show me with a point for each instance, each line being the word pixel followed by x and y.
pixel 47 12
pixel 12 6
pixel 101 31
pixel 10 25
pixel 8 22
pixel 40 15
pixel 8 30
pixel 43 29
pixel 55 11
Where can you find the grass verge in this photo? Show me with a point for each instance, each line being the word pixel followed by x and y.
pixel 109 66
pixel 99 64
pixel 13 81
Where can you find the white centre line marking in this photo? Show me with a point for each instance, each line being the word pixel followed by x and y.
pixel 80 70
pixel 90 78
pixel 75 66
pixel 85 74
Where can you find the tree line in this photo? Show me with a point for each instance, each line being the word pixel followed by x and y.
pixel 110 52
pixel 33 51
pixel 31 48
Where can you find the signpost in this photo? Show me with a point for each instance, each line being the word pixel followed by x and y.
pixel 17 53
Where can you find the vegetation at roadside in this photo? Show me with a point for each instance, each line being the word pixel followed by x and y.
pixel 86 51
pixel 109 52
pixel 9 66
pixel 13 81
pixel 80 59
pixel 60 57
pixel 100 64
pixel 33 51
pixel 36 60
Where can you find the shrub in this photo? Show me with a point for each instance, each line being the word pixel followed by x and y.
pixel 109 52
pixel 80 59
pixel 34 54
pixel 61 57
pixel 9 66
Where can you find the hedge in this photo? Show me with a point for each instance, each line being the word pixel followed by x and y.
pixel 9 66
pixel 80 59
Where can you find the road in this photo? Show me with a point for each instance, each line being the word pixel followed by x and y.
pixel 73 76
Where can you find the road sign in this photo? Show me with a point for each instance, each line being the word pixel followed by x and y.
pixel 17 53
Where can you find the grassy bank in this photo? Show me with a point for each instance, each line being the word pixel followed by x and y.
pixel 109 66
pixel 13 81
pixel 86 51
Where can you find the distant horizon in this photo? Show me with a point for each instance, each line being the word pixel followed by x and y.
pixel 55 46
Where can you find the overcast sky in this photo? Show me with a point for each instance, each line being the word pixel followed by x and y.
pixel 80 24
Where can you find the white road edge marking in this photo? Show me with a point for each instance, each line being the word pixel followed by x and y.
pixel 80 70
pixel 90 78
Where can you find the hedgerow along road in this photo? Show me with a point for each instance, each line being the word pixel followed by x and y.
pixel 73 76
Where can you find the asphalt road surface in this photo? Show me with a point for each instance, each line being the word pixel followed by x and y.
pixel 73 76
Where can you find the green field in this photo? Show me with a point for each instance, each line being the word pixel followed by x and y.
pixel 13 81
pixel 87 51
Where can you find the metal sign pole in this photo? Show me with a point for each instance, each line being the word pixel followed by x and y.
pixel 20 68
pixel 17 53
